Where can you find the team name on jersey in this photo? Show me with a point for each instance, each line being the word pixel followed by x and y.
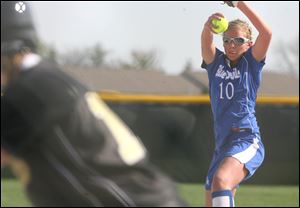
pixel 235 74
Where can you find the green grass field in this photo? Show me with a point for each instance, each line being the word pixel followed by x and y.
pixel 247 195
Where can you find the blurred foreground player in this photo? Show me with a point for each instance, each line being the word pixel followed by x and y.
pixel 67 147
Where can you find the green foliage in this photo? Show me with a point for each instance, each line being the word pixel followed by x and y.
pixel 142 60
pixel 47 51
pixel 96 57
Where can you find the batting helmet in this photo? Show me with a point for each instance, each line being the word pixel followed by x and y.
pixel 17 28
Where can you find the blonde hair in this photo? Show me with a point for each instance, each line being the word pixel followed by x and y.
pixel 241 25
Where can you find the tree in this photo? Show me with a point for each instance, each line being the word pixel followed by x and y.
pixel 92 57
pixel 288 56
pixel 97 55
pixel 142 60
pixel 47 51
pixel 188 67
pixel 74 58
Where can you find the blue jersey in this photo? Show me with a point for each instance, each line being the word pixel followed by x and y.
pixel 233 93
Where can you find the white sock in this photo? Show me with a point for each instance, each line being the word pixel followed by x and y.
pixel 222 198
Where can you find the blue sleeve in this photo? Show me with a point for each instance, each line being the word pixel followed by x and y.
pixel 254 66
pixel 212 66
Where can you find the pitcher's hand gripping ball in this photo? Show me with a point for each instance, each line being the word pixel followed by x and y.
pixel 219 26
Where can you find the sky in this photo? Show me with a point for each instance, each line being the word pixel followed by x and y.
pixel 172 29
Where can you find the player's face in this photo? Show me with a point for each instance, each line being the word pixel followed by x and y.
pixel 235 43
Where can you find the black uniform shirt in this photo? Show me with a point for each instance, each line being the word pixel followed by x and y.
pixel 78 152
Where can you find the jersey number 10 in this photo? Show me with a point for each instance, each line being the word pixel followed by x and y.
pixel 229 90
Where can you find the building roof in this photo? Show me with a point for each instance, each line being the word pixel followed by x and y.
pixel 134 81
pixel 279 84
pixel 188 83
